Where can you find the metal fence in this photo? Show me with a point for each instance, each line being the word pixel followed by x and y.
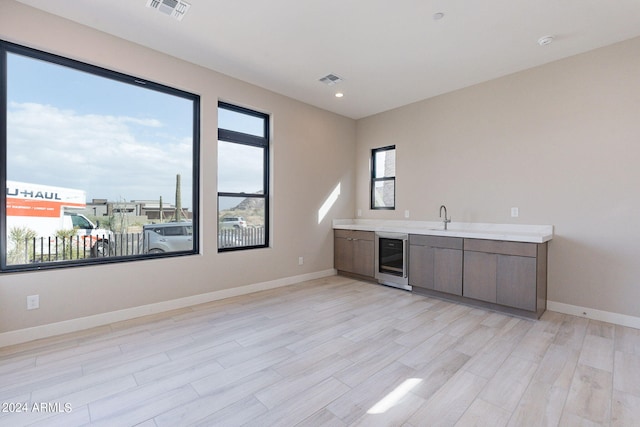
pixel 123 244
pixel 45 249
pixel 238 237
pixel 51 249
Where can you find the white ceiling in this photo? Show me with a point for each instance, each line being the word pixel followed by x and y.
pixel 390 52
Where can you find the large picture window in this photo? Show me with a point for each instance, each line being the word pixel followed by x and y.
pixel 98 166
pixel 243 171
pixel 383 178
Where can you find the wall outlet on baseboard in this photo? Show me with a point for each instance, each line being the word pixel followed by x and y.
pixel 33 302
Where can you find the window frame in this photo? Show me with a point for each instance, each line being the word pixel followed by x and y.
pixel 51 58
pixel 263 142
pixel 375 179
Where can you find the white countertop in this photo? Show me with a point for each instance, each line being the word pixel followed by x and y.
pixel 473 230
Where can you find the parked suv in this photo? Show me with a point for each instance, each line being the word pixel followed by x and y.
pixel 168 237
pixel 233 222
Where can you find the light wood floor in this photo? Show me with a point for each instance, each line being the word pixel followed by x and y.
pixel 330 352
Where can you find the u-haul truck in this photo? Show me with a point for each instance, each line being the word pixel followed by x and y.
pixel 46 210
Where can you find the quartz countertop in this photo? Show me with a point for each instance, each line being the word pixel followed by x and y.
pixel 473 230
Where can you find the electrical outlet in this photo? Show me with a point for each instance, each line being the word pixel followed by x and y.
pixel 300 260
pixel 406 213
pixel 514 212
pixel 359 212
pixel 33 302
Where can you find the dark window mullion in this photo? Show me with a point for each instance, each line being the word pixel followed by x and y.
pixel 391 178
pixel 232 194
pixel 241 138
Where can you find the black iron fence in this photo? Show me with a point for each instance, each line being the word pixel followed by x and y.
pixel 123 244
pixel 51 249
pixel 45 249
pixel 238 237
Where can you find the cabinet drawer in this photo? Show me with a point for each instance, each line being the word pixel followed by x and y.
pixel 436 241
pixel 501 247
pixel 363 235
pixel 354 234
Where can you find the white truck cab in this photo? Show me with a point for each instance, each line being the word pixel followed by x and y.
pixel 83 226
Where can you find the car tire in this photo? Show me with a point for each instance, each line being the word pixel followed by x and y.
pixel 156 251
pixel 101 249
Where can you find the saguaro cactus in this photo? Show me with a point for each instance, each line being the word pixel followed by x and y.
pixel 178 198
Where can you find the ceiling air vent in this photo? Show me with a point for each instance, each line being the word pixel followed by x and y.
pixel 331 79
pixel 174 8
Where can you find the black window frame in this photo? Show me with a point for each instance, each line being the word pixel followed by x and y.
pixel 263 142
pixel 375 179
pixel 13 48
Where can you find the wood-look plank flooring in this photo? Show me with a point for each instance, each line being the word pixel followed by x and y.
pixel 328 352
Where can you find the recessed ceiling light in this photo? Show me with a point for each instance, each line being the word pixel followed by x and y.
pixel 339 94
pixel 438 16
pixel 543 41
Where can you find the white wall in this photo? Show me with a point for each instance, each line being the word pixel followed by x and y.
pixel 312 152
pixel 561 142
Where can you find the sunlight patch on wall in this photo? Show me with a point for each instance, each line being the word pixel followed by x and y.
pixel 326 206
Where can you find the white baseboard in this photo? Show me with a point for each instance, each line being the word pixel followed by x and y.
pixel 590 313
pixel 45 331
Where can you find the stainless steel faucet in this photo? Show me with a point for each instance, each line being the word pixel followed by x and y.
pixel 446 220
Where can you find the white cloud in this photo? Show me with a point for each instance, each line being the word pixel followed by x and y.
pixel 240 167
pixel 113 157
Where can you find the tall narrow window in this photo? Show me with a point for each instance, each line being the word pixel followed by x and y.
pixel 98 166
pixel 383 178
pixel 243 172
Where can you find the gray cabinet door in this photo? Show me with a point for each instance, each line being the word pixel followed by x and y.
pixel 363 257
pixel 353 252
pixel 421 266
pixel 516 282
pixel 480 270
pixel 447 270
pixel 436 263
pixel 343 254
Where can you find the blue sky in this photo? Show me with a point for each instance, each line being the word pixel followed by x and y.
pixel 118 141
pixel 33 80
